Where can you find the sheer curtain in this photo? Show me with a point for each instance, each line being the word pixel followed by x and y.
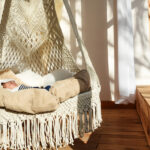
pixel 126 69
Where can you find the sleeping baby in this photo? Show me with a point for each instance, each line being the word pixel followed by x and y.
pixel 12 86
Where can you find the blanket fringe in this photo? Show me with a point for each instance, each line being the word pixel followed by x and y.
pixel 53 131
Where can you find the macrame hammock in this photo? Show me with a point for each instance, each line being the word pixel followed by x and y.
pixel 36 42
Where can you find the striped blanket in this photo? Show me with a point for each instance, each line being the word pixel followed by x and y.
pixel 23 87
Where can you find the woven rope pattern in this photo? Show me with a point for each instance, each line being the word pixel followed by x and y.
pixel 34 41
pixel 55 129
pixel 31 38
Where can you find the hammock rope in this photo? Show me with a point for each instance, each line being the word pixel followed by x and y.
pixel 89 65
pixel 73 117
pixel 2 5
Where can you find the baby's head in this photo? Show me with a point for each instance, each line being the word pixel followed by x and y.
pixel 10 84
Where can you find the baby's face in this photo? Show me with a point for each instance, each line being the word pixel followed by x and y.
pixel 10 85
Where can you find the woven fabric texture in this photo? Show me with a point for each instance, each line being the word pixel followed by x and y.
pixel 31 38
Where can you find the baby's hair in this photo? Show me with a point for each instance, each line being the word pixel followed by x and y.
pixel 7 82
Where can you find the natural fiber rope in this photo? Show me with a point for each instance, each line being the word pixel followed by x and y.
pixel 27 42
pixel 89 65
pixel 2 5
pixel 43 52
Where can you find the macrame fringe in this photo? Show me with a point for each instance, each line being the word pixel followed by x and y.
pixel 53 131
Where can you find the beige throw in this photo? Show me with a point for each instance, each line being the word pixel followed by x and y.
pixel 28 101
pixel 35 101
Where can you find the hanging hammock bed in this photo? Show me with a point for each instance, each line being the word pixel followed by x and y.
pixel 31 38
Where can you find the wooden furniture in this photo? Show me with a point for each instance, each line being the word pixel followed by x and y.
pixel 143 108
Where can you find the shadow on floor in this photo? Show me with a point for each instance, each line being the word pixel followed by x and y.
pixel 121 129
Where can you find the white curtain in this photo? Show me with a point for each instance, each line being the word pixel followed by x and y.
pixel 126 69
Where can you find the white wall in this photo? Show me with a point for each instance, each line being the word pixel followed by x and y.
pixel 97 24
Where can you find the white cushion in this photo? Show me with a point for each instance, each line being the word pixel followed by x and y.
pixel 33 79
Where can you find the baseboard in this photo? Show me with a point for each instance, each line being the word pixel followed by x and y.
pixel 112 105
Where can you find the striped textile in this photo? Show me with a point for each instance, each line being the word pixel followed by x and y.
pixel 23 87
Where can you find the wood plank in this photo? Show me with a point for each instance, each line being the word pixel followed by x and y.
pixel 120 147
pixel 121 130
pixel 112 105
pixel 118 139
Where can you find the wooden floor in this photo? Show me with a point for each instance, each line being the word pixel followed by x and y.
pixel 121 130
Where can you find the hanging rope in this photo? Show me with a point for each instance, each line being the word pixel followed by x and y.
pixel 2 4
pixel 89 65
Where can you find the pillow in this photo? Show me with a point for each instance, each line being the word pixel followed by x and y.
pixel 84 80
pixel 30 78
pixel 71 87
pixel 33 79
pixel 56 75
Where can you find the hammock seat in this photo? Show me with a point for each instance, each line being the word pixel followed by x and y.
pixel 35 41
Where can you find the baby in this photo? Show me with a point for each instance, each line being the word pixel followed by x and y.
pixel 12 86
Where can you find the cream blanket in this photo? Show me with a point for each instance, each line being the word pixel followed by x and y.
pixel 28 101
pixel 35 101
